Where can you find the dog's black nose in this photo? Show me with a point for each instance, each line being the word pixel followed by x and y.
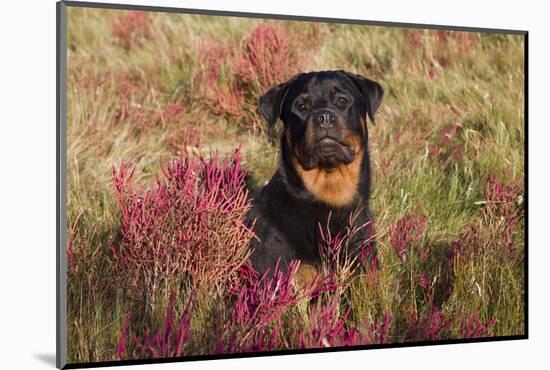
pixel 324 118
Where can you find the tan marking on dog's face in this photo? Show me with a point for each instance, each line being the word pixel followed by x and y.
pixel 336 187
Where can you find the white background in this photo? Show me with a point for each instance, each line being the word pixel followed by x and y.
pixel 27 182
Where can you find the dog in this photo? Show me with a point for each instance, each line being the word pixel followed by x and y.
pixel 324 172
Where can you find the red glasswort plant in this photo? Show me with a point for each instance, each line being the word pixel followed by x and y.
pixel 139 101
pixel 435 325
pixel 334 247
pixel 501 220
pixel 379 333
pixel 232 79
pixel 329 327
pixel 472 327
pixel 506 207
pixel 167 341
pixel 121 348
pixel 217 90
pixel 504 200
pixel 258 305
pixel 187 226
pixel 261 302
pixel 129 27
pixel 246 276
pixel 431 325
pixel 266 58
pixel 408 232
pixel 423 281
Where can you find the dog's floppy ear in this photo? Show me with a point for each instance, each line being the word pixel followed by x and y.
pixel 372 92
pixel 271 102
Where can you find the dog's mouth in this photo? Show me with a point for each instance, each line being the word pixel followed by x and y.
pixel 328 143
pixel 328 152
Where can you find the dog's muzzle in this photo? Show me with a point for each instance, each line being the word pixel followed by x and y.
pixel 327 152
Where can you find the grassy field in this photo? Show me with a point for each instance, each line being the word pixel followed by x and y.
pixel 157 105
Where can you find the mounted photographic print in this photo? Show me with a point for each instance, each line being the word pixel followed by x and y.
pixel 235 184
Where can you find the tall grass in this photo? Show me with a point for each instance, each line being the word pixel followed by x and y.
pixel 157 252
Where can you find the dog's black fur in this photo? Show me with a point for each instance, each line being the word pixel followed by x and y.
pixel 323 166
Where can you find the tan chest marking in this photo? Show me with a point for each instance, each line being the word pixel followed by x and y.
pixel 337 187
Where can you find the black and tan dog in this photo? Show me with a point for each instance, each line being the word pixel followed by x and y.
pixel 324 166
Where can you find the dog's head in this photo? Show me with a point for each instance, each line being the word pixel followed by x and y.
pixel 325 125
pixel 324 114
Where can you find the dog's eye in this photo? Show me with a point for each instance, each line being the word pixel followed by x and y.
pixel 302 107
pixel 341 102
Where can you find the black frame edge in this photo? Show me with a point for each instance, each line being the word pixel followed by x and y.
pixel 61 184
pixel 288 17
pixel 526 183
pixel 150 361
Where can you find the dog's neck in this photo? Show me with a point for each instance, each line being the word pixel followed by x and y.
pixel 337 188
